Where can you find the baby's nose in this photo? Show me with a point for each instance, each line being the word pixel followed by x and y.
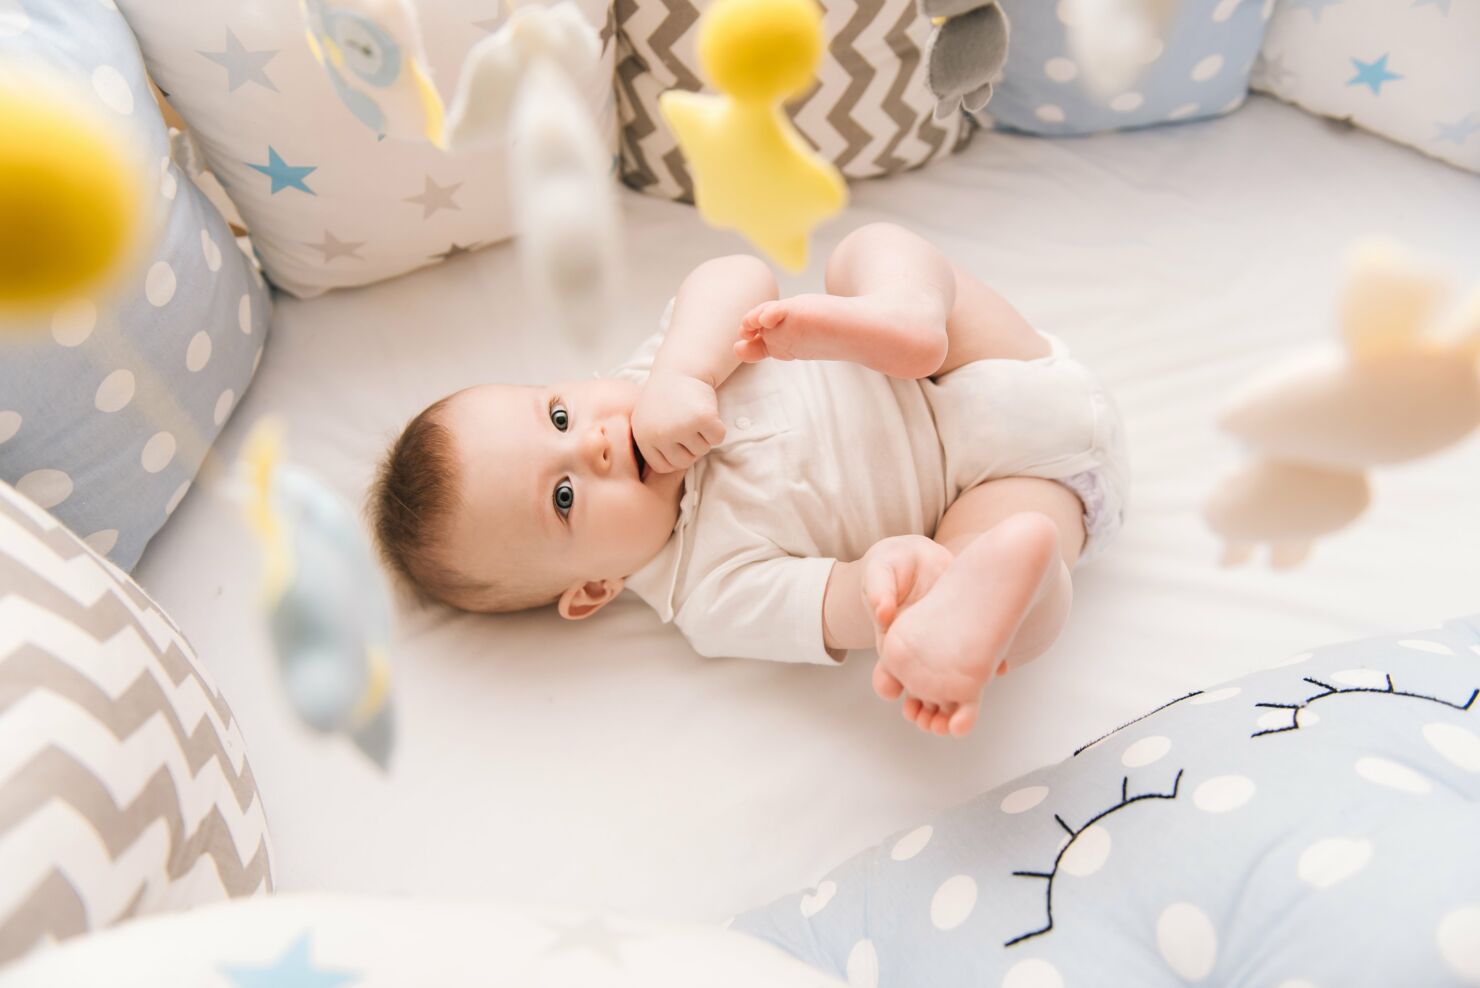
pixel 596 450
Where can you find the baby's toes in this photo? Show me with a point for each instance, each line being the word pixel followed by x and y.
pixel 885 684
pixel 964 719
pixel 941 722
pixel 911 708
pixel 769 315
pixel 926 716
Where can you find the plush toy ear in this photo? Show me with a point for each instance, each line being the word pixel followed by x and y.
pixel 586 598
pixel 1389 299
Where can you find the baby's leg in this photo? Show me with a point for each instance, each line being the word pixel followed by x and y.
pixel 1000 603
pixel 895 304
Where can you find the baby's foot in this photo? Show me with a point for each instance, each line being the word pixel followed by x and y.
pixel 944 648
pixel 902 335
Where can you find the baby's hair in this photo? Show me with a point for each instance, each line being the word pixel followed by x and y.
pixel 411 504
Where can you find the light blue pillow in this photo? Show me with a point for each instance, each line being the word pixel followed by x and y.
pixel 106 412
pixel 1314 824
pixel 1202 71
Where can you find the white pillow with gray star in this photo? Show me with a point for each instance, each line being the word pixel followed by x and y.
pixel 1406 70
pixel 328 203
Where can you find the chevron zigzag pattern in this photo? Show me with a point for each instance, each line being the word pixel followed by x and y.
pixel 869 112
pixel 124 783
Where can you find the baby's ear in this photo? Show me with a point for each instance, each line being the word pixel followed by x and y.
pixel 586 598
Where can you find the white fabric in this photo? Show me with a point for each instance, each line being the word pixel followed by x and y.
pixel 605 763
pixel 340 206
pixel 1406 70
pixel 822 459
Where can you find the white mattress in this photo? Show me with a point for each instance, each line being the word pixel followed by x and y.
pixel 605 764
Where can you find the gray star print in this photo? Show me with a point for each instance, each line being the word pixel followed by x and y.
pixel 435 197
pixel 333 247
pixel 242 66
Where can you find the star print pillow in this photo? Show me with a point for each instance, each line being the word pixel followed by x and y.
pixel 340 941
pixel 328 202
pixel 1406 69
pixel 1311 824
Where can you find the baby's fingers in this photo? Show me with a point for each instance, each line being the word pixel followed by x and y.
pixel 881 590
pixel 751 351
pixel 712 432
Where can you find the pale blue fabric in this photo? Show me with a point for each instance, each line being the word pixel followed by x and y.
pixel 54 388
pixel 1313 824
pixel 1168 90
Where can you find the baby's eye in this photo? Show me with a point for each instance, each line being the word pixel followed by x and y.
pixel 565 497
pixel 559 415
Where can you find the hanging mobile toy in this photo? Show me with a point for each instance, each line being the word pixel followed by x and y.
pixel 1401 386
pixel 327 604
pixel 71 187
pixel 752 171
pixel 518 88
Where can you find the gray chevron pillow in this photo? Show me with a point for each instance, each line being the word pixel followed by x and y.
pixel 870 112
pixel 124 784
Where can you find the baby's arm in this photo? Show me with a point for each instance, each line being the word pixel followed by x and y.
pixel 676 420
pixel 707 310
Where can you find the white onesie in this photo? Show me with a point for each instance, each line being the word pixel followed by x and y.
pixel 821 459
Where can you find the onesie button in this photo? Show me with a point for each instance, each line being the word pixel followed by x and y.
pixel 743 422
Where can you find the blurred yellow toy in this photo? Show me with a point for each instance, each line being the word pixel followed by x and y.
pixel 752 171
pixel 70 194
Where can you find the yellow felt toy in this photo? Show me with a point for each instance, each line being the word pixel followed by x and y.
pixel 1402 385
pixel 752 171
pixel 71 189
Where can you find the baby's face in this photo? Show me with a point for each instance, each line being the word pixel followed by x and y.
pixel 551 482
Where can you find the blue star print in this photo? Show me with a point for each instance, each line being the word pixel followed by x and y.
pixel 1372 74
pixel 292 970
pixel 284 175
pixel 1459 131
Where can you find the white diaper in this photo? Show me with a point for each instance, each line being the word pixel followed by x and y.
pixel 1048 418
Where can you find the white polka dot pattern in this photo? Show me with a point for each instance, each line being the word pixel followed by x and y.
pixel 199 351
pixel 1388 773
pixel 1458 745
pixel 1022 800
pixel 1146 751
pixel 47 487
pixel 953 902
pixel 158 452
pixel 159 284
pixel 113 89
pixel 1187 941
pixel 1033 973
pixel 1087 852
pixel 1458 937
pixel 73 322
pixel 116 391
pixel 863 965
pixel 1327 862
pixel 911 843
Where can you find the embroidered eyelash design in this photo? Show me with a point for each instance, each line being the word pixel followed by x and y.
pixel 1329 690
pixel 1125 800
pixel 1169 703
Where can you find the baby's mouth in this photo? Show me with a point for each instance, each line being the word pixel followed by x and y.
pixel 637 459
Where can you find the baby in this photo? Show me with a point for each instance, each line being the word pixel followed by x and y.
pixel 902 463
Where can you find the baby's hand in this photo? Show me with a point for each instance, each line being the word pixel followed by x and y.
pixel 676 421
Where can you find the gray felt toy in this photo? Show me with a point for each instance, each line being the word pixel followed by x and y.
pixel 964 54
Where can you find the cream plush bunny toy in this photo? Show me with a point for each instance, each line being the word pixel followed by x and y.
pixel 1402 384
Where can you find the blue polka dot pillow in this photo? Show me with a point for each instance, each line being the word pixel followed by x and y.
pixel 1409 71
pixel 1198 67
pixel 107 406
pixel 1314 824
